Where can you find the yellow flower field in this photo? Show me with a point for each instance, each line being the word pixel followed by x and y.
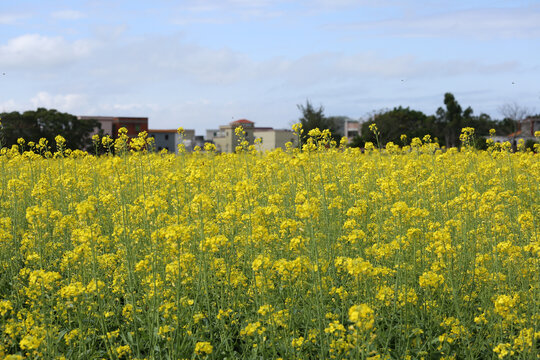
pixel 322 253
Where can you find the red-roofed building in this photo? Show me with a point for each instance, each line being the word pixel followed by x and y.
pixel 111 124
pixel 242 122
pixel 527 128
pixel 134 125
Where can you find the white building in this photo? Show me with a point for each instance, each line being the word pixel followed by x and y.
pixel 274 138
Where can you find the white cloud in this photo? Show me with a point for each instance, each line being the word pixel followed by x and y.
pixel 226 11
pixel 329 70
pixel 130 108
pixel 213 5
pixel 489 23
pixel 171 60
pixel 8 105
pixel 411 66
pixel 10 19
pixel 107 33
pixel 171 79
pixel 340 4
pixel 62 102
pixel 168 58
pixel 222 66
pixel 31 50
pixel 71 103
pixel 67 15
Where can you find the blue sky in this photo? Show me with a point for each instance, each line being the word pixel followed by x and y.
pixel 201 63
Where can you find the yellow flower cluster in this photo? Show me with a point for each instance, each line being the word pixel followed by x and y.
pixel 317 252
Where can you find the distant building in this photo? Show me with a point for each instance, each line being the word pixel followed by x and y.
pixel 211 134
pixel 134 125
pixel 352 129
pixel 529 126
pixel 199 141
pixel 345 126
pixel 499 138
pixel 169 139
pixel 226 139
pixel 110 124
pixel 273 138
pixel 165 139
pixel 106 123
pixel 526 130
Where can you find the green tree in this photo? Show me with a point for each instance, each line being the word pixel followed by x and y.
pixel 314 118
pixel 505 126
pixel 451 120
pixel 393 123
pixel 43 123
pixel 481 124
pixel 16 125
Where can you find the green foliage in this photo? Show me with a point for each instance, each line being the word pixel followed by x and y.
pixel 314 118
pixel 451 119
pixel 392 124
pixel 43 123
pixel 444 127
pixel 529 144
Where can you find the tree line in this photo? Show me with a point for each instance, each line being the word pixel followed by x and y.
pixel 44 123
pixel 444 126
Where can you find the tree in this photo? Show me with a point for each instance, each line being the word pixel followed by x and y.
pixel 314 118
pixel 451 120
pixel 391 124
pixel 505 126
pixel 515 113
pixel 43 123
pixel 16 125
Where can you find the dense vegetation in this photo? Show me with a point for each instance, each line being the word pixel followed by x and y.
pixel 31 126
pixel 324 252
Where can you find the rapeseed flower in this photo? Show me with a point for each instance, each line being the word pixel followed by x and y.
pixel 203 348
pixel 315 253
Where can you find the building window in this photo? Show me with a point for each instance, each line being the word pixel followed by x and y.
pixel 166 136
pixel 138 128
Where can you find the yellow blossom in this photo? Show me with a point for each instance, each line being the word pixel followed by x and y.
pixel 203 348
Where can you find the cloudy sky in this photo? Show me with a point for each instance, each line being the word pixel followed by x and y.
pixel 201 63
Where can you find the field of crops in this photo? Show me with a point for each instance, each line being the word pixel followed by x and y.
pixel 402 253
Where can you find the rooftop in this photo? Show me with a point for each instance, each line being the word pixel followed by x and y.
pixel 242 121
pixel 167 131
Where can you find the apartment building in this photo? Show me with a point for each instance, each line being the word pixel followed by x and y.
pixel 526 130
pixel 226 139
pixel 529 126
pixel 275 138
pixel 346 126
pixel 169 139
